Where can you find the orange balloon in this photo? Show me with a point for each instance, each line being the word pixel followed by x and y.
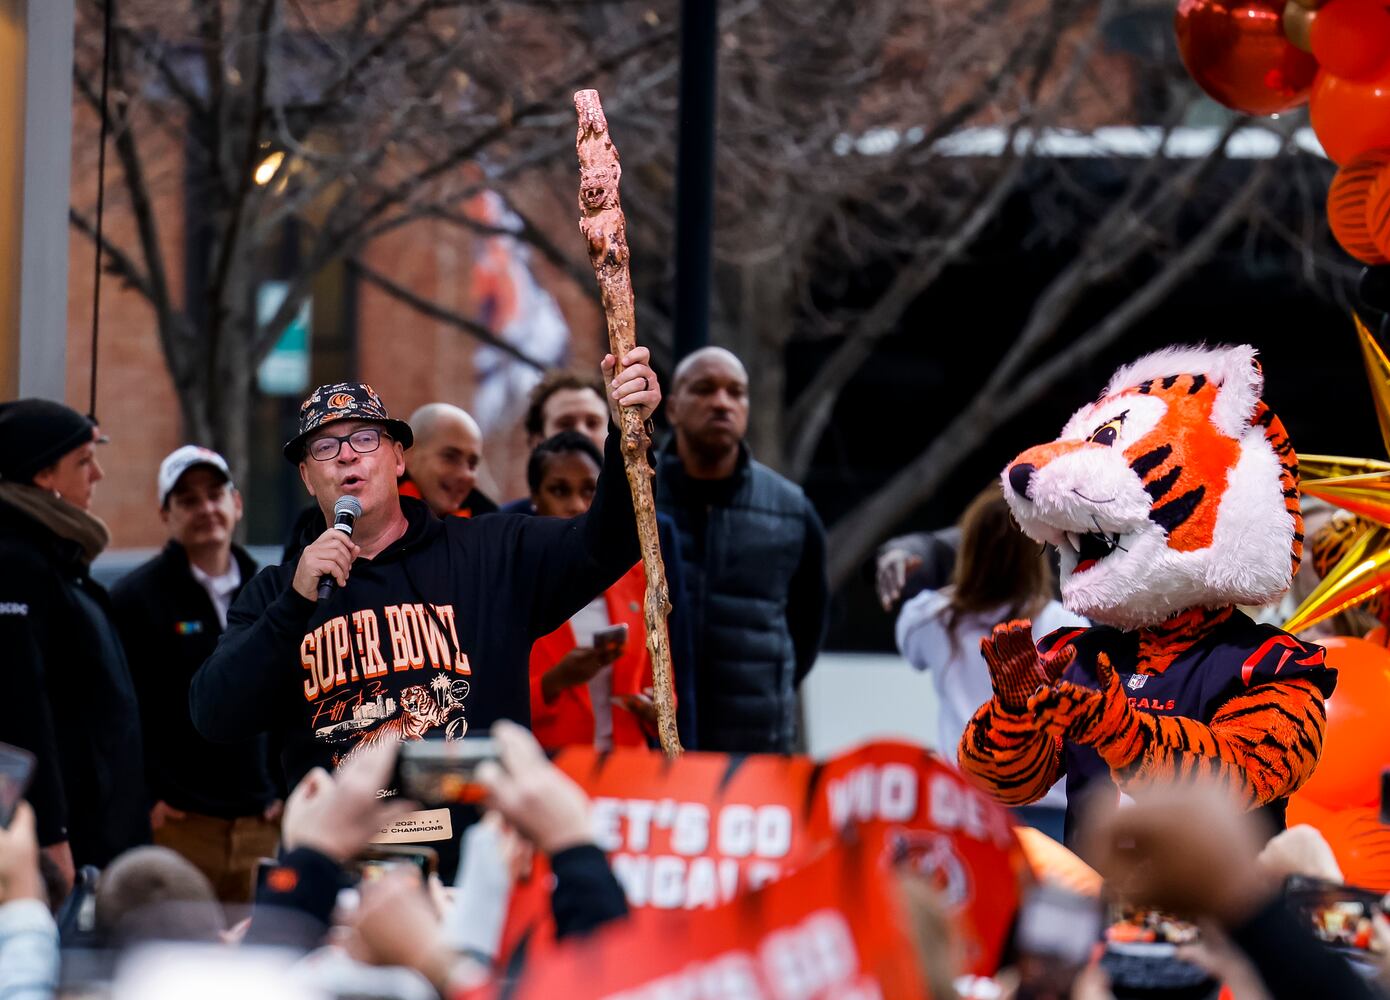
pixel 1302 811
pixel 1348 213
pixel 1361 845
pixel 1351 38
pixel 1356 745
pixel 1350 116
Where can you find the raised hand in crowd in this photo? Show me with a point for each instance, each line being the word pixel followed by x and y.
pixel 337 814
pixel 28 935
pixel 1191 850
pixel 395 924
pixel 1215 955
pixel 895 565
pixel 1187 850
pixel 332 553
pixel 539 800
pixel 1300 850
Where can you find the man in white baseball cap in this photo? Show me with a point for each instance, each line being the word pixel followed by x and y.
pixel 214 803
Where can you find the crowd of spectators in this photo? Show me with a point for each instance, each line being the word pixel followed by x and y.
pixel 1187 850
pixel 179 709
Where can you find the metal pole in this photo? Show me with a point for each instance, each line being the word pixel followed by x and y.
pixel 36 42
pixel 695 174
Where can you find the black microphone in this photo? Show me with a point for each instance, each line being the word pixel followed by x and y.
pixel 345 512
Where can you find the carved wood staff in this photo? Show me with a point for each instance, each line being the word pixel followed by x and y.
pixel 605 230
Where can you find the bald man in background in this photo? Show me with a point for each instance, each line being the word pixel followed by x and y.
pixel 441 468
pixel 753 556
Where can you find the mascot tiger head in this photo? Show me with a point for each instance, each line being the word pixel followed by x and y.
pixel 1178 488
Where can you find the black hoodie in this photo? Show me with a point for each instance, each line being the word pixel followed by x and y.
pixel 430 638
pixel 68 695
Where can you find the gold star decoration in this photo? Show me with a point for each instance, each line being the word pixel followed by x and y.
pixel 1361 486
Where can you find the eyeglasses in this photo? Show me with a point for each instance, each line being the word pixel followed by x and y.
pixel 363 441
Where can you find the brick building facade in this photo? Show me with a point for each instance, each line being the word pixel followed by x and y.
pixel 409 358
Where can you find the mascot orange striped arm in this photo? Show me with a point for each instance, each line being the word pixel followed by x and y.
pixel 1171 499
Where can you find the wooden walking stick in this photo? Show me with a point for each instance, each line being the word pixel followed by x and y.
pixel 605 229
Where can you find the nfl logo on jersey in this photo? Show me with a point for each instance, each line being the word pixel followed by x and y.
pixel 1138 681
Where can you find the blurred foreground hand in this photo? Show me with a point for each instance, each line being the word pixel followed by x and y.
pixel 1189 850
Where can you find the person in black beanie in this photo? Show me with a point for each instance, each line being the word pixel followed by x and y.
pixel 68 690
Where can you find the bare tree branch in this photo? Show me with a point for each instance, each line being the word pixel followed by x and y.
pixel 118 262
pixel 437 312
pixel 811 412
pixel 853 536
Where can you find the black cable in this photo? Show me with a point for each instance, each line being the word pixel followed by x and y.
pixel 106 53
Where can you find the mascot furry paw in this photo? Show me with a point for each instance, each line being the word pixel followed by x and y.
pixel 1171 499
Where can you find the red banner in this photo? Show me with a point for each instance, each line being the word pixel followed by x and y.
pixel 835 930
pixel 703 831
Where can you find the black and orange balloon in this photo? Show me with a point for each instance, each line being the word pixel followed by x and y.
pixel 1378 212
pixel 1350 117
pixel 1351 38
pixel 1237 52
pixel 1348 201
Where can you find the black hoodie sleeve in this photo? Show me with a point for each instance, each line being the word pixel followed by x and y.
pixel 28 593
pixel 294 904
pixel 566 563
pixel 234 694
pixel 586 894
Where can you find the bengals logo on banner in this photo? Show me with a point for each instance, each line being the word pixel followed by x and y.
pixel 705 830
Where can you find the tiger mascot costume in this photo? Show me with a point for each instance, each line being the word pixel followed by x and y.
pixel 1171 499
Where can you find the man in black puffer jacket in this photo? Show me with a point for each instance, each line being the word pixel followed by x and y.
pixel 68 693
pixel 753 555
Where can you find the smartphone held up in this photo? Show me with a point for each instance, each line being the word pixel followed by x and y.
pixel 442 772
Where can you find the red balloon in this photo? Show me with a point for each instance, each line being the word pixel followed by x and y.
pixel 1237 52
pixel 1351 38
pixel 1350 117
pixel 1348 206
pixel 1356 745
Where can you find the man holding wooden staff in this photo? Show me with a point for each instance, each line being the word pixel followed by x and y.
pixel 410 627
